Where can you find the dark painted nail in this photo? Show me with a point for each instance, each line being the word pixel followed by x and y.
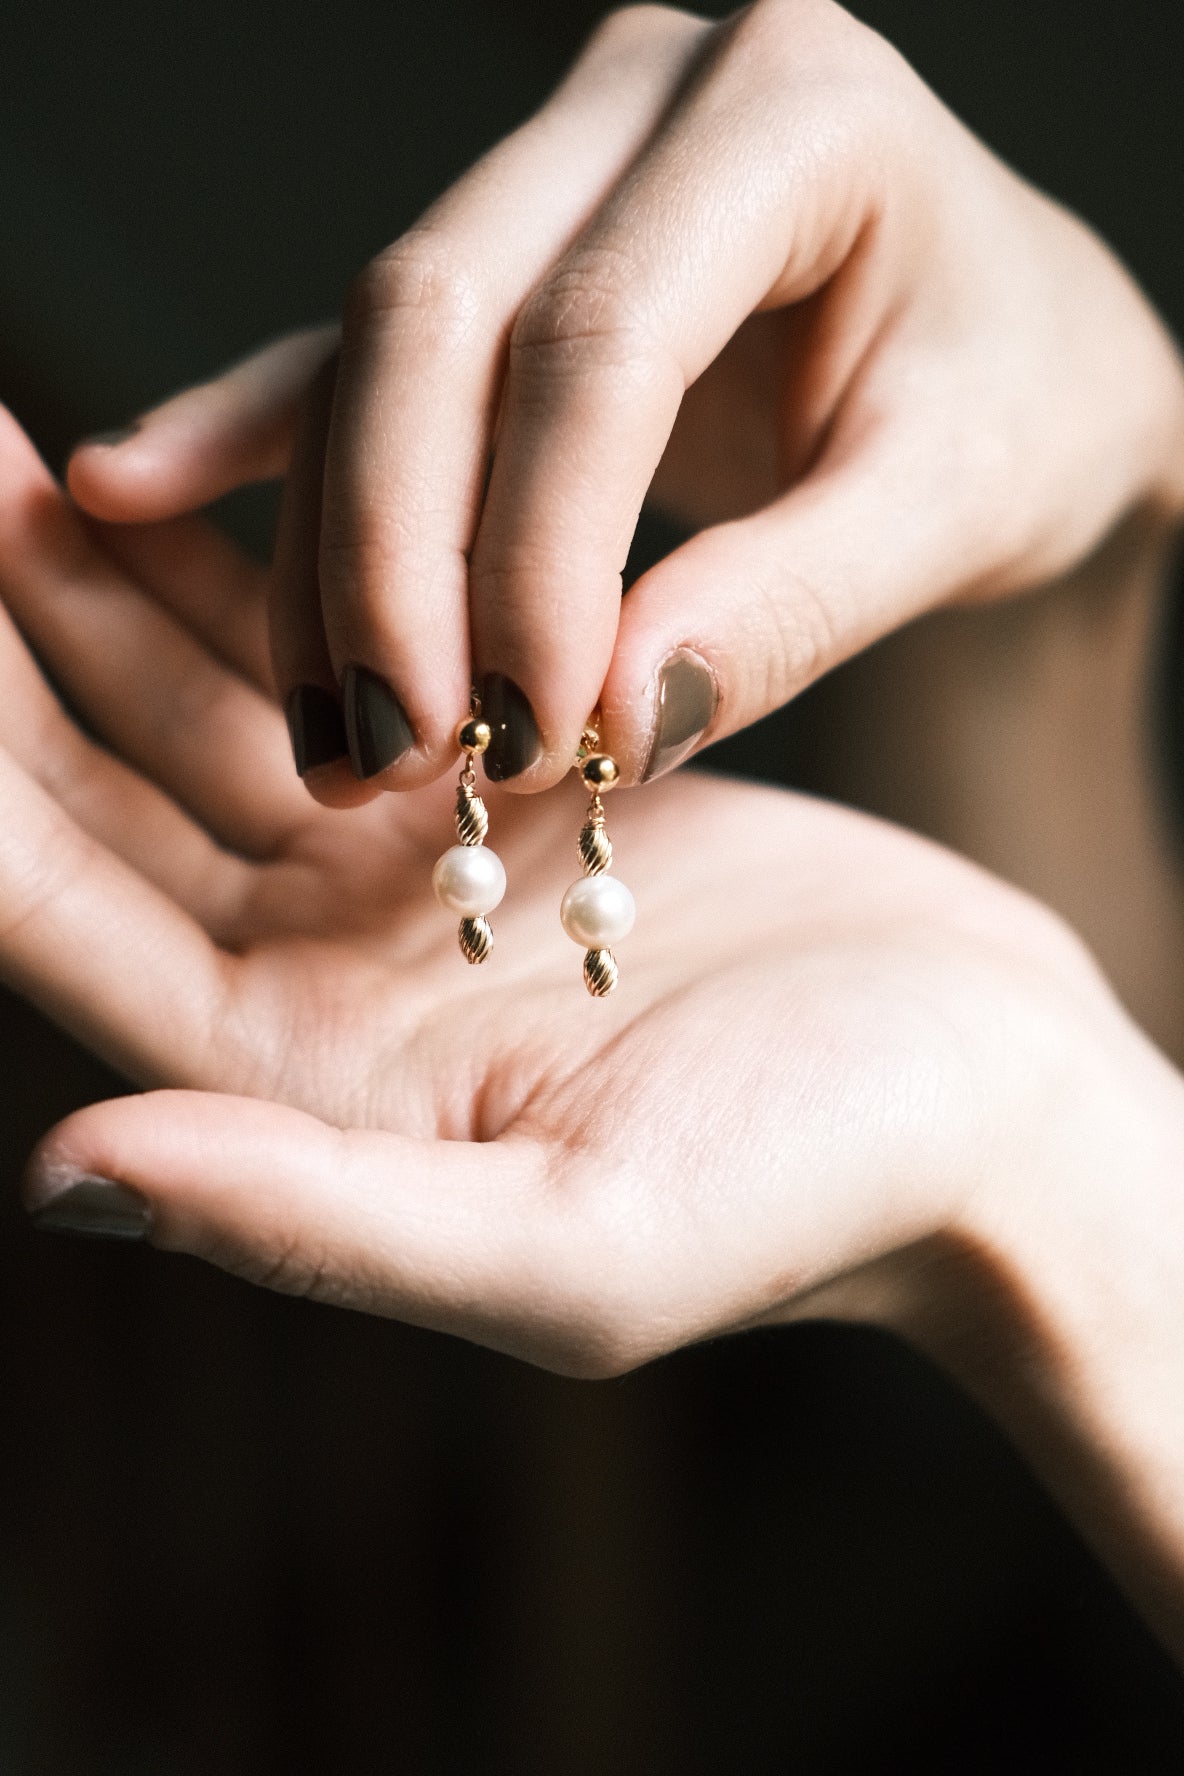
pixel 96 1208
pixel 120 435
pixel 683 711
pixel 515 743
pixel 376 727
pixel 316 725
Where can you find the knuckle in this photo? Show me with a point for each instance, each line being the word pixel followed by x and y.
pixel 797 639
pixel 769 31
pixel 525 578
pixel 768 21
pixel 359 565
pixel 583 316
pixel 792 40
pixel 285 1269
pixel 630 28
pixel 28 900
pixel 415 281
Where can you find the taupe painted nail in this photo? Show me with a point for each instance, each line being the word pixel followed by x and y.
pixel 516 742
pixel 119 435
pixel 683 711
pixel 95 1208
pixel 376 724
pixel 316 726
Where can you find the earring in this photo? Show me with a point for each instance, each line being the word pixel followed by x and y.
pixel 597 910
pixel 470 879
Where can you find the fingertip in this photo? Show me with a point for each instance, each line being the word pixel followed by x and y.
pixel 110 440
pixel 546 773
pixel 174 1167
pixel 524 756
pixel 414 770
pixel 54 1164
pixel 116 477
pixel 662 698
pixel 334 785
pixel 323 738
pixel 387 748
pixel 682 707
pixel 686 639
pixel 72 1181
pixel 515 744
pixel 377 727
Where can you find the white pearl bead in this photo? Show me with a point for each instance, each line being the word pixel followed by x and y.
pixel 469 880
pixel 597 911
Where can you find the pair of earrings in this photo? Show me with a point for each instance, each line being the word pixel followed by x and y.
pixel 470 879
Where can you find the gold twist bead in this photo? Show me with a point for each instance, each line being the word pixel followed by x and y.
pixel 595 847
pixel 475 939
pixel 600 973
pixel 472 820
pixel 474 735
pixel 599 771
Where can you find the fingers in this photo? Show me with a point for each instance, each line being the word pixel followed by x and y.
pixel 212 586
pixel 739 201
pixel 447 1234
pixel 144 684
pixel 105 954
pixel 744 616
pixel 205 441
pixel 304 674
pixel 109 802
pixel 552 310
pixel 414 415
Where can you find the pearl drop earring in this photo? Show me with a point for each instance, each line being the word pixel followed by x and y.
pixel 597 910
pixel 470 879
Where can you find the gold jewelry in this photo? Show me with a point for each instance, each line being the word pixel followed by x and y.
pixel 470 879
pixel 597 910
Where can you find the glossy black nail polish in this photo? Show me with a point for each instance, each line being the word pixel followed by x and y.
pixel 95 1208
pixel 316 726
pixel 376 725
pixel 516 742
pixel 683 711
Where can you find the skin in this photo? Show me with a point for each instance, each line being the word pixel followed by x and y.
pixel 1027 736
pixel 846 1073
pixel 755 270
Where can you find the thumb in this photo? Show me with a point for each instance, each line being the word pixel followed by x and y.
pixel 204 442
pixel 445 1234
pixel 747 614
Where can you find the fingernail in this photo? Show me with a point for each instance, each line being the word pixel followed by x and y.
pixel 316 726
pixel 95 1208
pixel 683 711
pixel 376 728
pixel 120 435
pixel 515 743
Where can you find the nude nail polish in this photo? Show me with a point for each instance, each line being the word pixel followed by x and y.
pixel 516 742
pixel 95 1208
pixel 684 709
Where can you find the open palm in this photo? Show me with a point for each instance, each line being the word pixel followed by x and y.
pixel 789 1082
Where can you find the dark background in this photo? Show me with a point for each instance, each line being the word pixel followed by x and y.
pixel 242 1534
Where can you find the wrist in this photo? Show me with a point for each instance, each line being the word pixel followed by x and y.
pixel 1059 1303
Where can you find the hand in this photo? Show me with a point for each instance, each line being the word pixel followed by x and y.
pixel 521 1164
pixel 755 268
pixel 845 1074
